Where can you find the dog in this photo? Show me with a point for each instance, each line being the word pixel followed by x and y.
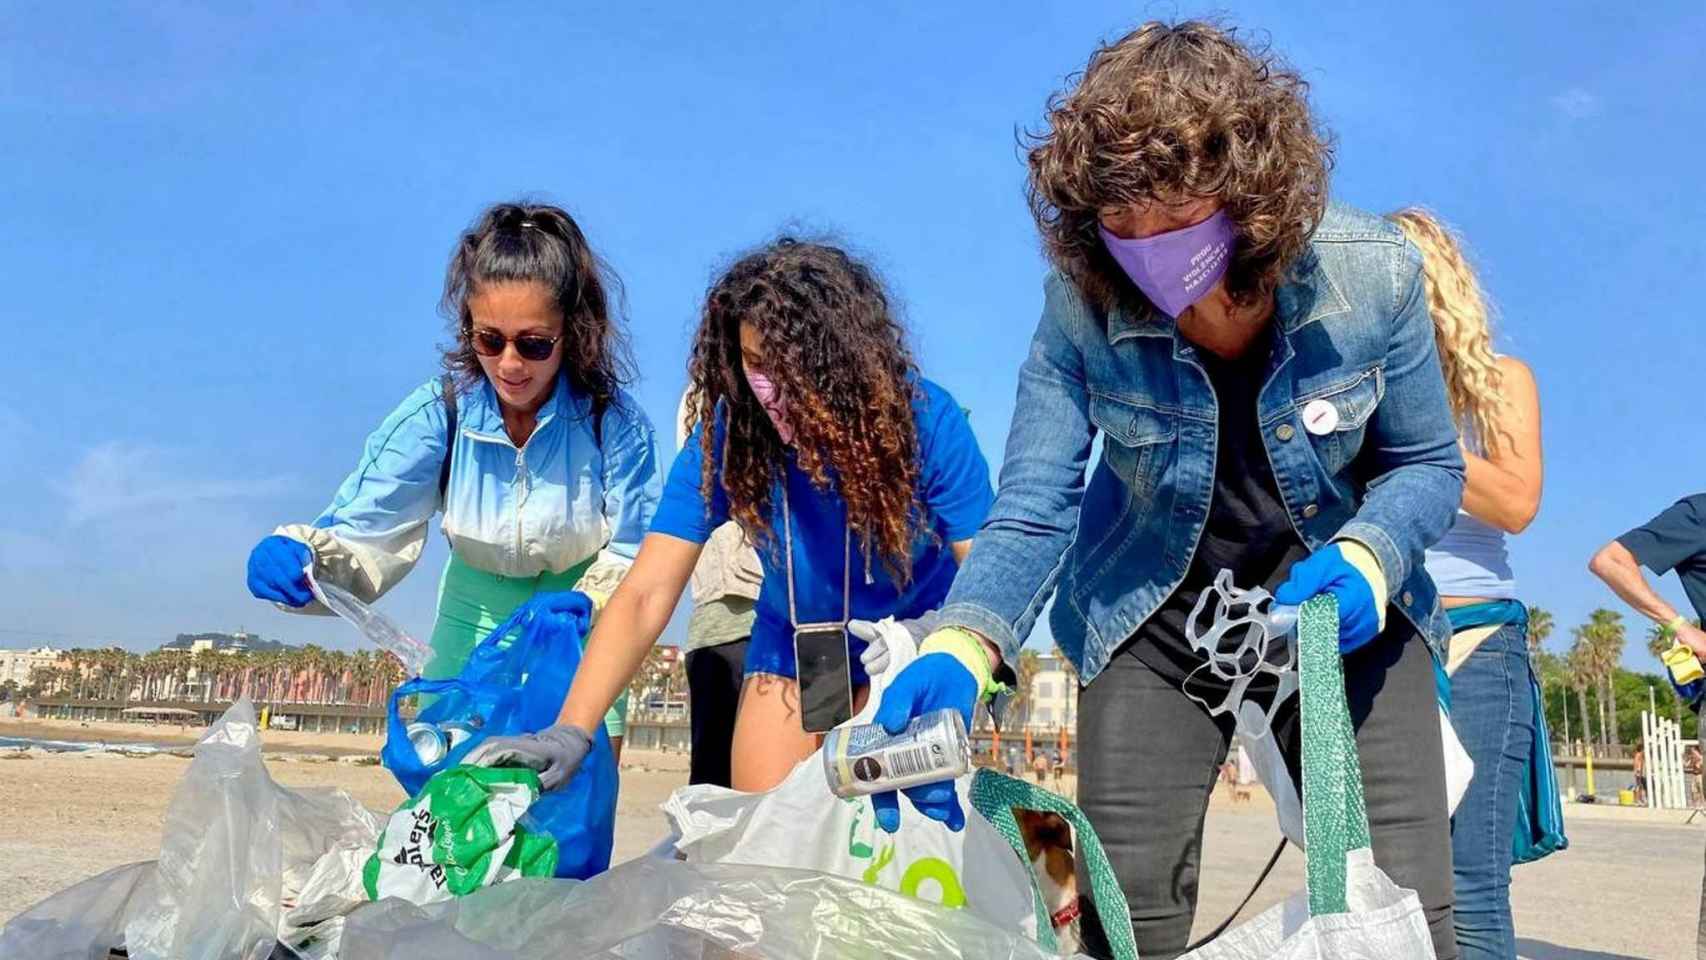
pixel 1048 842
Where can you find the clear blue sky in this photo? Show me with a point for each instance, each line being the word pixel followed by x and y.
pixel 223 231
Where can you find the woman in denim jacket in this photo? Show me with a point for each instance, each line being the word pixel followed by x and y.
pixel 550 478
pixel 1259 368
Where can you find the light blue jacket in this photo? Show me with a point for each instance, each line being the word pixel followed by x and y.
pixel 1354 332
pixel 559 500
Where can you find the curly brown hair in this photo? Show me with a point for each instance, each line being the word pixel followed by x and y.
pixel 539 243
pixel 1171 113
pixel 836 350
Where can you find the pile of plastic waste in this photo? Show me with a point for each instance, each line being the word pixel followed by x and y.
pixel 251 870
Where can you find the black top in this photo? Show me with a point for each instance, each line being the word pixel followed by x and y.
pixel 1247 530
pixel 1675 540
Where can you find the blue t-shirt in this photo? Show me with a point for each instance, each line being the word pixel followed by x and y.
pixel 954 488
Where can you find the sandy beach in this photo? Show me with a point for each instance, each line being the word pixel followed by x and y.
pixel 175 735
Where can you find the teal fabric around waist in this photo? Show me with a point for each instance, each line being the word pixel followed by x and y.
pixel 1492 613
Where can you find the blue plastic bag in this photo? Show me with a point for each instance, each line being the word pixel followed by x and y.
pixel 515 682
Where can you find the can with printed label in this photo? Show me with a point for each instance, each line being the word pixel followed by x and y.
pixel 864 759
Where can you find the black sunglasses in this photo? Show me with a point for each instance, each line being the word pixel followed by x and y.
pixel 490 343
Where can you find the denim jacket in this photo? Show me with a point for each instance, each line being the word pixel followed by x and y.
pixel 558 500
pixel 1353 332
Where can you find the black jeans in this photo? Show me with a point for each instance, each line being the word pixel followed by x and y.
pixel 1148 756
pixel 714 676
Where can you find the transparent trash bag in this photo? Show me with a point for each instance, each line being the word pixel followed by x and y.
pixel 657 909
pixel 248 870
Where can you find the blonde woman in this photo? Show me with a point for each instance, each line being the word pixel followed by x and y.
pixel 1498 413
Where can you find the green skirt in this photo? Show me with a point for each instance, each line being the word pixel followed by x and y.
pixel 471 604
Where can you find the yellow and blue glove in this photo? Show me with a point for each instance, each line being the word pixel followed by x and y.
pixel 1349 571
pixel 1683 667
pixel 952 671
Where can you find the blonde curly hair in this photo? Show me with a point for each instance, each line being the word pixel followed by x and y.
pixel 1462 327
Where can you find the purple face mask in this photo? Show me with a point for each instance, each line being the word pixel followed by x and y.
pixel 770 398
pixel 1175 269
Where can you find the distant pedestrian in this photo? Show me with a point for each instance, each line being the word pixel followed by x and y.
pixel 1640 770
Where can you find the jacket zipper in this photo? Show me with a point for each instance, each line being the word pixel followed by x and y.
pixel 521 485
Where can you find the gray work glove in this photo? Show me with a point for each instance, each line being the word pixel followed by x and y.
pixel 555 752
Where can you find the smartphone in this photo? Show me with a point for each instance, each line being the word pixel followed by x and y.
pixel 825 675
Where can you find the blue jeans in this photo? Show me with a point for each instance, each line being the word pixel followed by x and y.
pixel 1492 711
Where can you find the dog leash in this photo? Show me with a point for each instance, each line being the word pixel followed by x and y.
pixel 1224 924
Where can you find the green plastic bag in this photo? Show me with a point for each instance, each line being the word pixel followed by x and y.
pixel 459 834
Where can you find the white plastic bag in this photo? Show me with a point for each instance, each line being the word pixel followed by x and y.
pixel 1270 767
pixel 656 909
pixel 801 825
pixel 82 922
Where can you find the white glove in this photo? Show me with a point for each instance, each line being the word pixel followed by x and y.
pixel 875 657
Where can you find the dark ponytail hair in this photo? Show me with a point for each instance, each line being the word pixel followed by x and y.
pixel 539 243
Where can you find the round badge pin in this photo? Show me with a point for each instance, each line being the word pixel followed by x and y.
pixel 1320 417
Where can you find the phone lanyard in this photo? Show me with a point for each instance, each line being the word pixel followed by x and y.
pixel 846 564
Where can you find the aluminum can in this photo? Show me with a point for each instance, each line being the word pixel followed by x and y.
pixel 428 741
pixel 863 759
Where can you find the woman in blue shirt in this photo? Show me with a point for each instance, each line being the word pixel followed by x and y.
pixel 550 477
pixel 857 480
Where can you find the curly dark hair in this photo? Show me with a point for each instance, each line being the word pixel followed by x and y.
pixel 1171 113
pixel 836 350
pixel 539 243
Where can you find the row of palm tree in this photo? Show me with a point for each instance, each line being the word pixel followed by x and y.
pixel 309 674
pixel 1591 666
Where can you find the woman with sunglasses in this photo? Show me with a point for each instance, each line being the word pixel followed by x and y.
pixel 858 481
pixel 543 465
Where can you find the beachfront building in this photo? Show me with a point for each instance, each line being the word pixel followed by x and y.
pixel 1054 696
pixel 16 665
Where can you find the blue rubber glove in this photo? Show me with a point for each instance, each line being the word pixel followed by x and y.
pixel 1328 571
pixel 934 681
pixel 276 568
pixel 565 603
